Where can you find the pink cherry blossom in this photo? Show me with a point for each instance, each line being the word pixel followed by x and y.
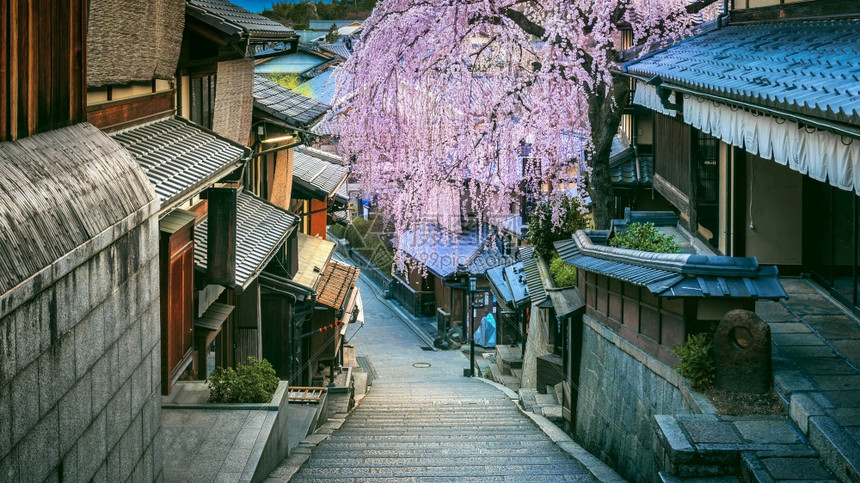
pixel 441 96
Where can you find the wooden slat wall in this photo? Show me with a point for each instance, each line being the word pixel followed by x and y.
pixel 42 59
pixel 672 152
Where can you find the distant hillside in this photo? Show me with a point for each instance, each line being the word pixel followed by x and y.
pixel 258 6
pixel 297 14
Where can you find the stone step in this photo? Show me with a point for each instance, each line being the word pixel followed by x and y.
pixel 768 468
pixel 352 460
pixel 448 479
pixel 437 425
pixel 532 445
pixel 325 451
pixel 490 472
pixel 441 438
pixel 440 431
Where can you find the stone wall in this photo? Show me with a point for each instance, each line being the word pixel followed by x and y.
pixel 621 389
pixel 80 363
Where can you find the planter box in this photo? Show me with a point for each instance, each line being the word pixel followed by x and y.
pixel 228 442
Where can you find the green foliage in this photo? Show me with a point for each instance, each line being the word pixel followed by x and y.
pixel 332 34
pixel 370 239
pixel 337 230
pixel 563 275
pixel 298 14
pixel 542 231
pixel 645 236
pixel 697 360
pixel 292 82
pixel 251 382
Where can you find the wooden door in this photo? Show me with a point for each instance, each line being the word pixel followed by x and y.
pixel 177 305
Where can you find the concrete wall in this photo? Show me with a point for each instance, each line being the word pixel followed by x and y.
pixel 621 389
pixel 79 367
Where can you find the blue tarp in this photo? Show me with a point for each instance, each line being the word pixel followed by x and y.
pixel 485 335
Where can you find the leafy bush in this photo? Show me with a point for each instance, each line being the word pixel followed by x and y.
pixel 645 236
pixel 251 382
pixel 337 230
pixel 697 360
pixel 563 275
pixel 542 231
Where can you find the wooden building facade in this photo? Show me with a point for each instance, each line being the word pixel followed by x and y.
pixel 755 175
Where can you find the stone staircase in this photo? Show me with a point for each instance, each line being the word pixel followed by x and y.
pixel 706 448
pixel 445 429
pixel 508 368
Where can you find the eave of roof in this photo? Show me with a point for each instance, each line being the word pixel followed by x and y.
pixel 261 229
pixel 314 173
pixel 314 255
pixel 443 252
pixel 286 104
pixel 237 22
pixel 674 275
pixel 807 68
pixel 180 158
pixel 337 281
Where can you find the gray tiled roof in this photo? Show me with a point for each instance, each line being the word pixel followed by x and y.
pixel 235 20
pixel 510 282
pixel 516 278
pixel 442 251
pixel 285 104
pixel 537 294
pixel 804 67
pixel 313 172
pixel 180 157
pixel 261 229
pixel 338 48
pixel 625 172
pixel 700 276
pixel 496 276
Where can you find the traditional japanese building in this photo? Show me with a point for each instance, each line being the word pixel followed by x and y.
pixel 753 127
pixel 79 300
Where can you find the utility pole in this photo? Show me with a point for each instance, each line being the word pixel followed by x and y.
pixel 473 282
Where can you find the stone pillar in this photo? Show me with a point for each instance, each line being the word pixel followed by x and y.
pixel 742 353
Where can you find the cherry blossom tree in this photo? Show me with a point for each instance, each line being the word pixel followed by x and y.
pixel 450 106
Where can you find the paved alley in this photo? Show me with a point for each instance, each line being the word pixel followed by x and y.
pixel 423 421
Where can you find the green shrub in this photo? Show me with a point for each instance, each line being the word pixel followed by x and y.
pixel 251 382
pixel 697 360
pixel 542 231
pixel 563 275
pixel 646 237
pixel 337 230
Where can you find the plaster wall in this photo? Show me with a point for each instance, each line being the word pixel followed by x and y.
pixel 774 207
pixel 536 345
pixel 620 390
pixel 80 368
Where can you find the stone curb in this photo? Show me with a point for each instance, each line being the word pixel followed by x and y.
pixel 600 470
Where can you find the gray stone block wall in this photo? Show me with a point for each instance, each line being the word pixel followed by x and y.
pixel 79 371
pixel 621 389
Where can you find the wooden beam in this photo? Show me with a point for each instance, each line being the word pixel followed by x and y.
pixel 113 115
pixel 799 10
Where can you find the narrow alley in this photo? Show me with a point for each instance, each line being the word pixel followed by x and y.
pixel 423 421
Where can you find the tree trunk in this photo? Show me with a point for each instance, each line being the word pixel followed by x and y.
pixel 604 114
